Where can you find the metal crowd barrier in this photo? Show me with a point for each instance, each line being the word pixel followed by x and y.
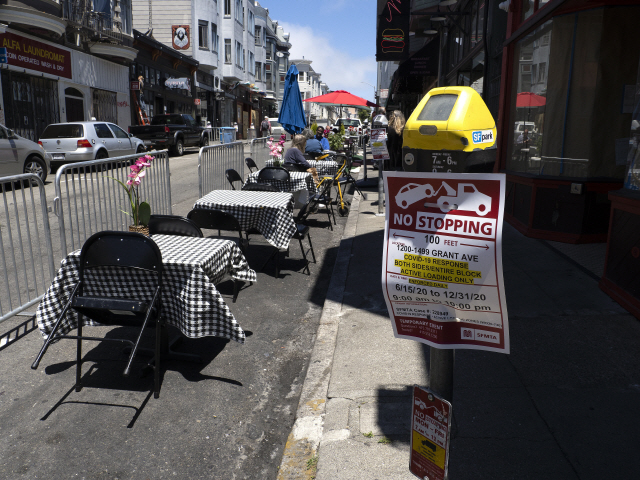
pixel 26 252
pixel 89 200
pixel 260 151
pixel 214 134
pixel 213 161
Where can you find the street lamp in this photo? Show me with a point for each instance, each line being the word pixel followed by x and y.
pixel 375 91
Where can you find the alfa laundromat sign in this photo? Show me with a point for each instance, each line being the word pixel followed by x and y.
pixel 26 53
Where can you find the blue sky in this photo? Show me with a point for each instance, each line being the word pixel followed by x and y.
pixel 337 35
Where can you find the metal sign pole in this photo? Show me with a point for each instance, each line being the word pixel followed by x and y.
pixel 441 372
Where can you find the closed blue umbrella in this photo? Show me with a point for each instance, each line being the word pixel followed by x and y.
pixel 292 116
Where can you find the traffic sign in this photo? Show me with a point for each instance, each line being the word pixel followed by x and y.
pixel 430 433
pixel 442 263
pixel 3 55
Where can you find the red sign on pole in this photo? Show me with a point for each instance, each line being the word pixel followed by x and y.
pixel 196 101
pixel 27 53
pixel 135 85
pixel 430 428
pixel 442 262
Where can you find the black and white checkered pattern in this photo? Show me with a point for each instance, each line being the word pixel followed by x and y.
pixel 269 212
pixel 324 167
pixel 299 181
pixel 190 300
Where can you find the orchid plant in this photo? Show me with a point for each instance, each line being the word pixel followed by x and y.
pixel 140 211
pixel 276 149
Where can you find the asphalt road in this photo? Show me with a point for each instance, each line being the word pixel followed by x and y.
pixel 227 418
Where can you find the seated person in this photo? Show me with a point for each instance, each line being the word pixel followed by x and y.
pixel 314 147
pixel 294 154
pixel 323 140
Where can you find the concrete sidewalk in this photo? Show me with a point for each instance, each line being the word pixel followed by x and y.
pixel 562 405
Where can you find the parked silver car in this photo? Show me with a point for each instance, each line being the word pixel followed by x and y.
pixel 81 141
pixel 20 155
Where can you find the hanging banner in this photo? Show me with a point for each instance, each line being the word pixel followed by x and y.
pixel 442 262
pixel 392 33
pixel 430 434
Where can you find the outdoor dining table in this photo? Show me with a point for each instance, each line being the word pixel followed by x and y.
pixel 324 167
pixel 269 212
pixel 298 181
pixel 190 301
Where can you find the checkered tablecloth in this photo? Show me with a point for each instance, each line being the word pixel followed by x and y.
pixel 299 181
pixel 269 212
pixel 190 300
pixel 324 167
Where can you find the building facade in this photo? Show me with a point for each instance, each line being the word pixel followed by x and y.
pixel 66 62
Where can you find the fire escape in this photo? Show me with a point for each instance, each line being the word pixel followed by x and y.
pixel 90 23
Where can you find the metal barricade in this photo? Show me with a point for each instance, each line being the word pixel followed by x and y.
pixel 214 134
pixel 213 161
pixel 26 250
pixel 260 151
pixel 89 199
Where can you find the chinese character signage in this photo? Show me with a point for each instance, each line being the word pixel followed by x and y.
pixel 392 35
pixel 442 262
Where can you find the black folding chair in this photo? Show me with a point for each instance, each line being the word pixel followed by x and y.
pixel 321 199
pixel 295 167
pixel 212 219
pixel 251 165
pixel 234 176
pixel 259 187
pixel 274 173
pixel 173 225
pixel 302 232
pixel 102 255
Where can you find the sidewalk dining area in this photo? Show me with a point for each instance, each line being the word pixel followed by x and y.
pixel 184 365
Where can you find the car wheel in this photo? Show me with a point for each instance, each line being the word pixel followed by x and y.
pixel 141 149
pixel 178 148
pixel 36 165
pixel 102 154
pixel 205 141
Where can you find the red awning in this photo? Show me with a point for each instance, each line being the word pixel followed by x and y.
pixel 341 97
pixel 530 100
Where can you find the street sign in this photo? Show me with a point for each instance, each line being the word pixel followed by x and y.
pixel 135 85
pixel 196 101
pixel 430 433
pixel 3 55
pixel 442 262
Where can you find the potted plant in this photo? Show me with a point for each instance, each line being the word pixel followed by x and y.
pixel 140 211
pixel 276 149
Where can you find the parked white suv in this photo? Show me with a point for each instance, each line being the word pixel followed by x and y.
pixel 353 125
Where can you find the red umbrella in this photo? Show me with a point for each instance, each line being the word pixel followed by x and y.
pixel 341 98
pixel 530 100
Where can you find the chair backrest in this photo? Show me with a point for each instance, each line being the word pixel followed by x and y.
pixel 233 176
pixel 173 225
pixel 295 167
pixel 274 173
pixel 302 213
pixel 214 220
pixel 121 249
pixel 251 164
pixel 259 187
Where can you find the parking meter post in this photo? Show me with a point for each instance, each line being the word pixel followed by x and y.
pixel 380 188
pixel 441 372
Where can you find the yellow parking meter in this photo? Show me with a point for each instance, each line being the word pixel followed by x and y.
pixel 451 130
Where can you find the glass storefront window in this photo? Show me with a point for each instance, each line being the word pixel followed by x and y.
pixel 632 177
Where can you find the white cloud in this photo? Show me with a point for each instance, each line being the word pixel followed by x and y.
pixel 340 69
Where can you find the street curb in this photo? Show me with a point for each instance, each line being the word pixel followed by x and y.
pixel 300 452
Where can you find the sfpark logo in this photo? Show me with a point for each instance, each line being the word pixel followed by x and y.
pixel 483 136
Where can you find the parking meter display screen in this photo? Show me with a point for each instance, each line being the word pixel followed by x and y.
pixel 438 108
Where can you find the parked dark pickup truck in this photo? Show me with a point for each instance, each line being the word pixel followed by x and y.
pixel 174 131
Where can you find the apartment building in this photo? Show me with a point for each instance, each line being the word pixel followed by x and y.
pixel 66 61
pixel 311 86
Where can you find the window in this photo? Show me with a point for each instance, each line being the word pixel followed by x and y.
pixel 102 131
pixel 258 35
pixel 227 8
pixel 227 50
pixel 118 131
pixel 215 39
pixel 252 22
pixel 252 63
pixel 258 71
pixel 238 54
pixel 542 72
pixel 203 33
pixel 239 13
